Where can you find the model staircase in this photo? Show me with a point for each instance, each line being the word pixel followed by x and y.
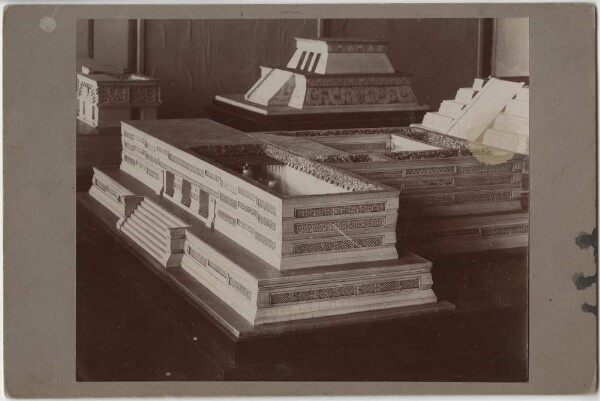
pixel 268 86
pixel 150 226
pixel 510 129
pixel 257 85
pixel 451 110
pixel 474 110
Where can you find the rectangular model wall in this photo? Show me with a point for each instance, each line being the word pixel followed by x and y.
pixel 288 232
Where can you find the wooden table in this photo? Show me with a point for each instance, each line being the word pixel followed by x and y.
pixel 131 325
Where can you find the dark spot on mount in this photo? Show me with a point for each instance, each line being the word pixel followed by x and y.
pixel 590 308
pixel 582 281
pixel 585 240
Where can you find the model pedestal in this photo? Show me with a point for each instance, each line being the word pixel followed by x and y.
pixel 328 83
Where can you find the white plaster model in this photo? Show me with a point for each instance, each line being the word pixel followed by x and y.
pixel 495 112
pixel 196 196
pixel 107 99
pixel 330 75
pixel 510 130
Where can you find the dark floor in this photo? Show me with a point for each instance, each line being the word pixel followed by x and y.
pixel 132 326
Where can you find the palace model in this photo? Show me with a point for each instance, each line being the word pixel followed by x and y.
pixel 337 83
pixel 284 226
pixel 238 213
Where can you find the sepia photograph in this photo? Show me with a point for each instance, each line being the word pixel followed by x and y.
pixel 287 200
pixel 316 199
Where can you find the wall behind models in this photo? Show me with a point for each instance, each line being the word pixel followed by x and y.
pixel 198 59
pixel 107 41
pixel 114 42
pixel 83 37
pixel 441 53
pixel 511 47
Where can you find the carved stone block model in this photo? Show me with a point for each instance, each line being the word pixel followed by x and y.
pixel 328 83
pixel 454 196
pixel 457 193
pixel 106 99
pixel 265 223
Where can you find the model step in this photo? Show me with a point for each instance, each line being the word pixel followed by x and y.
pixel 478 84
pixel 512 123
pixel 506 140
pixel 258 84
pixel 269 87
pixel 438 121
pixel 148 238
pixel 148 222
pixel 523 94
pixel 518 108
pixel 152 219
pixel 165 216
pixel 140 224
pixel 465 95
pixel 140 233
pixel 482 111
pixel 451 108
pixel 140 241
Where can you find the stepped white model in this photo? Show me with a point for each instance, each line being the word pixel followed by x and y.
pixel 493 112
pixel 330 73
pixel 510 130
pixel 158 232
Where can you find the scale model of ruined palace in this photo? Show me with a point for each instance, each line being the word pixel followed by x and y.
pixel 272 232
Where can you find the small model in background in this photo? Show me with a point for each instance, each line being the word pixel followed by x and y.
pixel 328 83
pixel 108 95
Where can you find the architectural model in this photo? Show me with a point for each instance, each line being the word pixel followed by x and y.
pixel 106 99
pixel 274 233
pixel 495 113
pixel 335 77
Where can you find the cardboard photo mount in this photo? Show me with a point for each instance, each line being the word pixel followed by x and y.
pixel 39 204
